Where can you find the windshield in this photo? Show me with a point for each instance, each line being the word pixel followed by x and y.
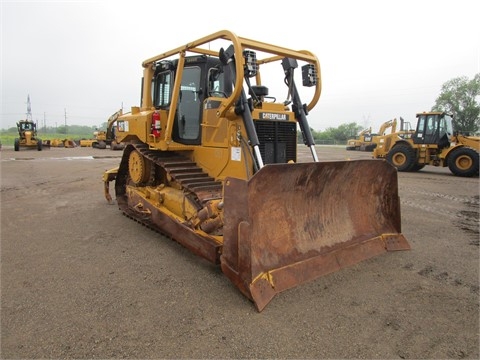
pixel 446 125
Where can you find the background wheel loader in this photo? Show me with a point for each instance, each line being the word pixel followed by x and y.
pixel 27 132
pixel 435 143
pixel 210 160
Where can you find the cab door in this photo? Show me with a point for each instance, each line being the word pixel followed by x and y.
pixel 427 130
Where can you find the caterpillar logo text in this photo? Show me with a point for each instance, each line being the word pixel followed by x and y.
pixel 273 116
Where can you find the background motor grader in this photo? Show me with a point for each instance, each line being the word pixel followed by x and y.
pixel 434 142
pixel 210 160
pixel 27 132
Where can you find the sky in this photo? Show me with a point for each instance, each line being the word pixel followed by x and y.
pixel 79 61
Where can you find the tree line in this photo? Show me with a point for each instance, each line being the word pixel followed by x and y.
pixel 461 98
pixel 62 129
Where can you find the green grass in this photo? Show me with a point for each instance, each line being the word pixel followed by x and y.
pixel 7 138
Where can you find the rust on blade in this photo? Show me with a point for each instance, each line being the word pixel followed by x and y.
pixel 292 223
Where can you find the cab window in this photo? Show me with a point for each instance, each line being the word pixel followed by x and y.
pixel 187 120
pixel 162 89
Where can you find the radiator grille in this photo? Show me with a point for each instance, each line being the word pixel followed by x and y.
pixel 278 141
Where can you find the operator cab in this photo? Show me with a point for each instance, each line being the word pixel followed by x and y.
pixel 26 126
pixel 433 128
pixel 202 77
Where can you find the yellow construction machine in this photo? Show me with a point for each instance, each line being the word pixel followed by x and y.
pixel 405 131
pixel 103 138
pixel 367 141
pixel 433 142
pixel 390 124
pixel 210 160
pixel 65 143
pixel 363 142
pixel 27 132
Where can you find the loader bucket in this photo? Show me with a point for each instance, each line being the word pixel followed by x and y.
pixel 292 223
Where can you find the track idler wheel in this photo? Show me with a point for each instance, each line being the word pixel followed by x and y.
pixel 139 168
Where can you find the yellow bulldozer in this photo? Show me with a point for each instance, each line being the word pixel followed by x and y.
pixel 210 160
pixel 27 136
pixel 433 142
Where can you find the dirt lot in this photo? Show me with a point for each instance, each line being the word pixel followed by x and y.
pixel 79 280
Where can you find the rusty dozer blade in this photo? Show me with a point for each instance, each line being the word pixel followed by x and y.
pixel 292 223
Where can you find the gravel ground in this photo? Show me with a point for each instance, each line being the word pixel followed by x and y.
pixel 81 281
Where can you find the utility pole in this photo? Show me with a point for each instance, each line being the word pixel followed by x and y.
pixel 65 109
pixel 29 109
